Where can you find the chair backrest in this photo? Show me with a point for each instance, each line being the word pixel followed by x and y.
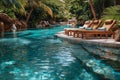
pixel 96 24
pixel 88 23
pixel 108 24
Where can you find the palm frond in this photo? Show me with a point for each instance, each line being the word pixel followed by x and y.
pixel 19 6
pixel 7 3
pixel 46 8
pixel 112 13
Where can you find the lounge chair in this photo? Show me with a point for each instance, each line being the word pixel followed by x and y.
pixel 105 30
pixel 94 25
pixel 68 31
pixel 86 24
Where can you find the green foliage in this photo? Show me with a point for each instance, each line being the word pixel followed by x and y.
pixel 14 5
pixel 37 15
pixel 100 5
pixel 112 12
pixel 10 13
pixel 41 8
pixel 58 8
pixel 11 3
pixel 80 9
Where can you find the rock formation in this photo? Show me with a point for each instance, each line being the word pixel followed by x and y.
pixel 8 22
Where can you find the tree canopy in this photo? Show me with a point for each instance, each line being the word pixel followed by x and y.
pixel 33 11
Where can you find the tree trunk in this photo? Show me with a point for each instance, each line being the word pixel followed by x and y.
pixel 28 17
pixel 103 5
pixel 92 8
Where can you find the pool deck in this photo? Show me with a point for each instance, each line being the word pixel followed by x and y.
pixel 102 42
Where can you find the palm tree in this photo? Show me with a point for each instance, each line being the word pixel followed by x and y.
pixel 92 9
pixel 59 8
pixel 37 3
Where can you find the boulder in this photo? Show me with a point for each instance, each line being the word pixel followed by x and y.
pixel 20 24
pixel 117 35
pixel 24 25
pixel 5 18
pixel 8 23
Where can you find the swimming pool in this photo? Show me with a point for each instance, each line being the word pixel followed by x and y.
pixel 37 55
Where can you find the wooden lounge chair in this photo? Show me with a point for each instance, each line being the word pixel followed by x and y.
pixel 105 30
pixel 68 31
pixel 95 24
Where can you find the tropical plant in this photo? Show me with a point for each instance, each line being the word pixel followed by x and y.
pixel 32 4
pixel 13 6
pixel 58 8
pixel 78 8
pixel 11 3
pixel 112 12
pixel 82 9
pixel 100 5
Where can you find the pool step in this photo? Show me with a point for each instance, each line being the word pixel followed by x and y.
pixel 96 65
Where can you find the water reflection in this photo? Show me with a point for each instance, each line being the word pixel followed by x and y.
pixel 41 61
pixel 90 55
pixel 37 55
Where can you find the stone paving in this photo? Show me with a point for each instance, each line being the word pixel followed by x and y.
pixel 103 42
pixel 110 48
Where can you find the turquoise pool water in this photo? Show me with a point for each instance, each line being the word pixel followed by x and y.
pixel 37 55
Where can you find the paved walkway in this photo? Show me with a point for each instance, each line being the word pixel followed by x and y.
pixel 104 42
